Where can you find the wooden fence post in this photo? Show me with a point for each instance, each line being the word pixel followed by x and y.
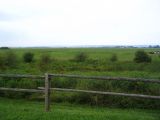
pixel 47 92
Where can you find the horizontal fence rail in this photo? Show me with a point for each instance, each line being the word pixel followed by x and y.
pixel 107 78
pixel 103 93
pixel 22 90
pixel 22 76
pixel 46 89
pixel 82 77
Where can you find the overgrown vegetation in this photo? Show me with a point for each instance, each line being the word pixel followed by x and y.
pixel 141 56
pixel 91 61
pixel 81 57
pixel 114 58
pixel 28 57
pixel 27 110
pixel 45 62
pixel 10 59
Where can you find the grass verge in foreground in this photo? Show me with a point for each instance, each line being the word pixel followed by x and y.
pixel 26 110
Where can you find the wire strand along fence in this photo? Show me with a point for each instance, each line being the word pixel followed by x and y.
pixel 46 89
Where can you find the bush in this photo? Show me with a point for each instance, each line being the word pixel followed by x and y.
pixel 113 58
pixel 44 62
pixel 141 56
pixel 28 57
pixel 2 61
pixel 11 59
pixel 81 57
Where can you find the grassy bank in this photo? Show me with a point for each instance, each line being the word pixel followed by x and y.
pixel 25 110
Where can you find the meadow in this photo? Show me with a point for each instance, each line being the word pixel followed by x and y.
pixel 98 63
pixel 31 110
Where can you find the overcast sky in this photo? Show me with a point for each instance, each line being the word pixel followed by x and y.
pixel 79 22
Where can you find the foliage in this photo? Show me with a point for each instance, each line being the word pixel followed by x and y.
pixel 114 58
pixel 81 57
pixel 4 48
pixel 28 57
pixel 96 65
pixel 45 62
pixel 141 56
pixel 11 59
pixel 2 61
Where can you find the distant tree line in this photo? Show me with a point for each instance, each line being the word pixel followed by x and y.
pixel 154 46
pixel 4 48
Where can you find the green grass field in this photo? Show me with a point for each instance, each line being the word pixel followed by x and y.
pixel 98 64
pixel 26 110
pixel 124 54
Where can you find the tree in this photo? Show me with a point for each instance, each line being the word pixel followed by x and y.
pixel 141 56
pixel 4 48
pixel 28 57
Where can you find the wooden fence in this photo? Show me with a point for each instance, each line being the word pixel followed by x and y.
pixel 47 89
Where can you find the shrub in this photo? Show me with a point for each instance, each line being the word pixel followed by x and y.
pixel 28 57
pixel 10 59
pixel 113 58
pixel 2 61
pixel 44 62
pixel 141 56
pixel 81 57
